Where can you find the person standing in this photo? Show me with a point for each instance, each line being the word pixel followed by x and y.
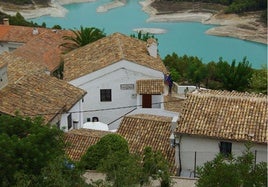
pixel 169 82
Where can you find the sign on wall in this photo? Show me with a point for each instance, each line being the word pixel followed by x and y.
pixel 127 86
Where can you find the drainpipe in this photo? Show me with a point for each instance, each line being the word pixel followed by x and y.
pixel 179 152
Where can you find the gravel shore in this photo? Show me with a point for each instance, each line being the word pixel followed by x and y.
pixel 246 27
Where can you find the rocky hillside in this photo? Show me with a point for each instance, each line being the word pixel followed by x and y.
pixel 26 2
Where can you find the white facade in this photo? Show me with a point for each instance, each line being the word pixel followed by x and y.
pixel 9 46
pixel 3 76
pixel 96 126
pixel 75 115
pixel 121 78
pixel 195 151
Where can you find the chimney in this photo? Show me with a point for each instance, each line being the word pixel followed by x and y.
pixel 152 47
pixel 35 31
pixel 6 21
pixel 3 75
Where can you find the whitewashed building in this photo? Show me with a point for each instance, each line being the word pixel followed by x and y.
pixel 113 71
pixel 26 89
pixel 214 122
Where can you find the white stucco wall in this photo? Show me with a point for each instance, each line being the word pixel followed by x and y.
pixel 76 116
pixel 9 46
pixel 206 149
pixel 3 76
pixel 111 77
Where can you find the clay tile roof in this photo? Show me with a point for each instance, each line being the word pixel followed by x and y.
pixel 150 86
pixel 20 34
pixel 107 51
pixel 79 140
pixel 44 49
pixel 32 92
pixel 225 115
pixel 144 130
pixel 19 67
pixel 3 32
pixel 2 64
pixel 173 104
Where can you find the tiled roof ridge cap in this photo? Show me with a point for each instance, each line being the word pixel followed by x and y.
pixel 144 117
pixel 150 79
pixel 119 43
pixel 232 95
pixel 31 73
pixel 86 132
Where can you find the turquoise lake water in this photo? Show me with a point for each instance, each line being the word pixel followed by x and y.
pixel 181 37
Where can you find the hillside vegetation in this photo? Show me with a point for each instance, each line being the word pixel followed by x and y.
pixel 224 6
pixel 27 2
pixel 19 20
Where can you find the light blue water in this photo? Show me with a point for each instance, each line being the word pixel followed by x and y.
pixel 182 37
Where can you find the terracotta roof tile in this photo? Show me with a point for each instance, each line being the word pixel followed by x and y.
pixel 2 64
pixel 32 92
pixel 43 48
pixel 144 130
pixel 107 51
pixel 19 67
pixel 79 140
pixel 3 32
pixel 226 115
pixel 150 86
pixel 20 34
pixel 174 104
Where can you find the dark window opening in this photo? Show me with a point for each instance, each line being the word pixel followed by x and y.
pixel 88 120
pixel 10 49
pixel 58 124
pixel 95 119
pixel 70 121
pixel 105 95
pixel 226 148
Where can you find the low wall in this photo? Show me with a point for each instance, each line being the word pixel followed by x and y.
pixel 177 181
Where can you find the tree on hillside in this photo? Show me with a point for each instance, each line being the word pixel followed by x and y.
pixel 235 172
pixel 155 165
pixel 259 80
pixel 111 156
pixel 18 19
pixel 214 75
pixel 190 69
pixel 122 169
pixel 28 149
pixel 107 145
pixel 143 36
pixel 234 77
pixel 211 78
pixel 82 37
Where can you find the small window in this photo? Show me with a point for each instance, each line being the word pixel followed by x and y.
pixel 95 119
pixel 88 120
pixel 225 148
pixel 106 95
pixel 58 124
pixel 10 49
pixel 70 121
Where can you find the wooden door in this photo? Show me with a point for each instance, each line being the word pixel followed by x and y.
pixel 146 101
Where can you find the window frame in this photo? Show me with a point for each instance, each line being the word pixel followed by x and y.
pixel 225 148
pixel 105 95
pixel 69 121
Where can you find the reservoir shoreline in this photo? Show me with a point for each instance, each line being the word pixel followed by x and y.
pixel 229 25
